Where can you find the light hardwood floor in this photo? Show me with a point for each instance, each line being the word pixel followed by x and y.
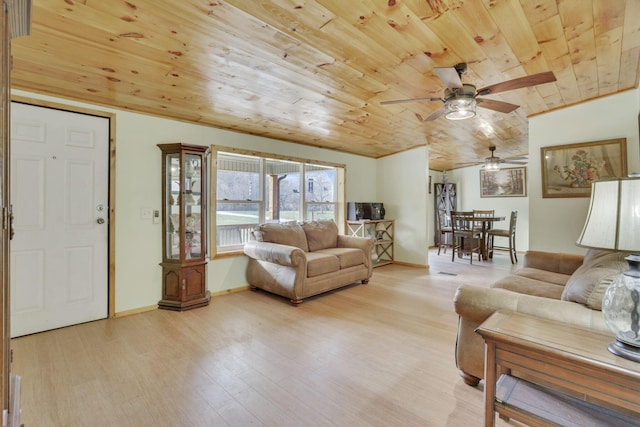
pixel 380 354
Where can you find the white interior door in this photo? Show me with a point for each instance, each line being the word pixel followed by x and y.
pixel 59 193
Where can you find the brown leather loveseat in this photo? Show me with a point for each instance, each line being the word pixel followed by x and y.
pixel 297 261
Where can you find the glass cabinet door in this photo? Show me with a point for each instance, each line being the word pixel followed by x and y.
pixel 172 185
pixel 193 205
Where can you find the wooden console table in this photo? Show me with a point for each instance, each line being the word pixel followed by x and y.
pixel 542 372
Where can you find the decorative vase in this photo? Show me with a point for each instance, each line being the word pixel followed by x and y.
pixel 581 184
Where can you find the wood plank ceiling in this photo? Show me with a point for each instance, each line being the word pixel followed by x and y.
pixel 315 71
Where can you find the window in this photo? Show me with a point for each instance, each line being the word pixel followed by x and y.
pixel 253 188
pixel 321 192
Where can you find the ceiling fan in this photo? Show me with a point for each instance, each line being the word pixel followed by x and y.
pixel 460 99
pixel 493 162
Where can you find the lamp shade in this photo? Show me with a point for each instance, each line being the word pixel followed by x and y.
pixel 613 220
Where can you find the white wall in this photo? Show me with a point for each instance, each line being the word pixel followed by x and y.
pixel 467 182
pixel 555 223
pixel 402 185
pixel 138 185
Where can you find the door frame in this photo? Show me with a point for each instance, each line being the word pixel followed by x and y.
pixel 112 182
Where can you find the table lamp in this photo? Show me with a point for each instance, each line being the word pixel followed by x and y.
pixel 613 222
pixel 380 229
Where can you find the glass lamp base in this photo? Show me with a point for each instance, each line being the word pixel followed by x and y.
pixel 625 350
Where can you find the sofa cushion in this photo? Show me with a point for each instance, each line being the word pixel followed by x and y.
pixel 529 286
pixel 544 275
pixel 349 257
pixel 286 233
pixel 321 234
pixel 589 282
pixel 319 263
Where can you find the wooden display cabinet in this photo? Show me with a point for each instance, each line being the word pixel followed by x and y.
pixel 184 219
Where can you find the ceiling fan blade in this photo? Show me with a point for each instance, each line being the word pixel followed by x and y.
pixel 492 104
pixel 433 115
pixel 514 162
pixel 402 101
pixel 449 77
pixel 520 82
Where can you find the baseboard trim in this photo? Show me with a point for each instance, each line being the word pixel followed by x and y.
pixel 136 311
pixel 230 291
pixel 155 306
pixel 409 264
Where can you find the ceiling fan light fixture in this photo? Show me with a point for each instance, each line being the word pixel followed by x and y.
pixel 460 108
pixel 492 163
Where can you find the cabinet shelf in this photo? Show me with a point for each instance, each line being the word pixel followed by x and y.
pixel 381 231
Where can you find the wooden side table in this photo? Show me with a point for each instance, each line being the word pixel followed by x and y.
pixel 542 372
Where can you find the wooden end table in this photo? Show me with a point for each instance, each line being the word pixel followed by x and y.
pixel 543 372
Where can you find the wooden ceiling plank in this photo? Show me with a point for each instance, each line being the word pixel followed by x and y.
pixel 322 35
pixel 631 33
pixel 580 36
pixel 456 37
pixel 512 21
pixel 539 11
pixel 608 51
pixel 608 25
pixel 554 47
pixel 421 8
pixel 629 69
pixel 487 35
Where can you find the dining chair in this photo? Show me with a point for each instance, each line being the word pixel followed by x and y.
pixel 464 238
pixel 483 226
pixel 509 234
pixel 444 230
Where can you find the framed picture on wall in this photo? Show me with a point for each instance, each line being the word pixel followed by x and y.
pixel 511 182
pixel 568 170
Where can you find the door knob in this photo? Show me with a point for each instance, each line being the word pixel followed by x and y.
pixel 100 220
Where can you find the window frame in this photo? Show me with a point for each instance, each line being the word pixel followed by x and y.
pixel 339 192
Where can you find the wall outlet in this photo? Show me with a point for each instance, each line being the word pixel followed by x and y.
pixel 156 217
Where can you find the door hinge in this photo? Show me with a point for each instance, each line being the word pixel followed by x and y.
pixel 7 220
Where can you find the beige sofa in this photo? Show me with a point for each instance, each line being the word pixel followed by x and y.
pixel 561 287
pixel 297 261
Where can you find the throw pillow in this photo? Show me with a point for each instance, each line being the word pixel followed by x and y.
pixel 589 282
pixel 286 233
pixel 321 234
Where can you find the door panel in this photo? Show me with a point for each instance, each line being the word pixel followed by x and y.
pixel 28 267
pixel 59 190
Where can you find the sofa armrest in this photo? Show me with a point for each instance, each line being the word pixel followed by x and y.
pixel 477 304
pixel 275 253
pixel 364 243
pixel 550 261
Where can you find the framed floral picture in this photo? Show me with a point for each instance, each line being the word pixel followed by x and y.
pixel 569 170
pixel 511 182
